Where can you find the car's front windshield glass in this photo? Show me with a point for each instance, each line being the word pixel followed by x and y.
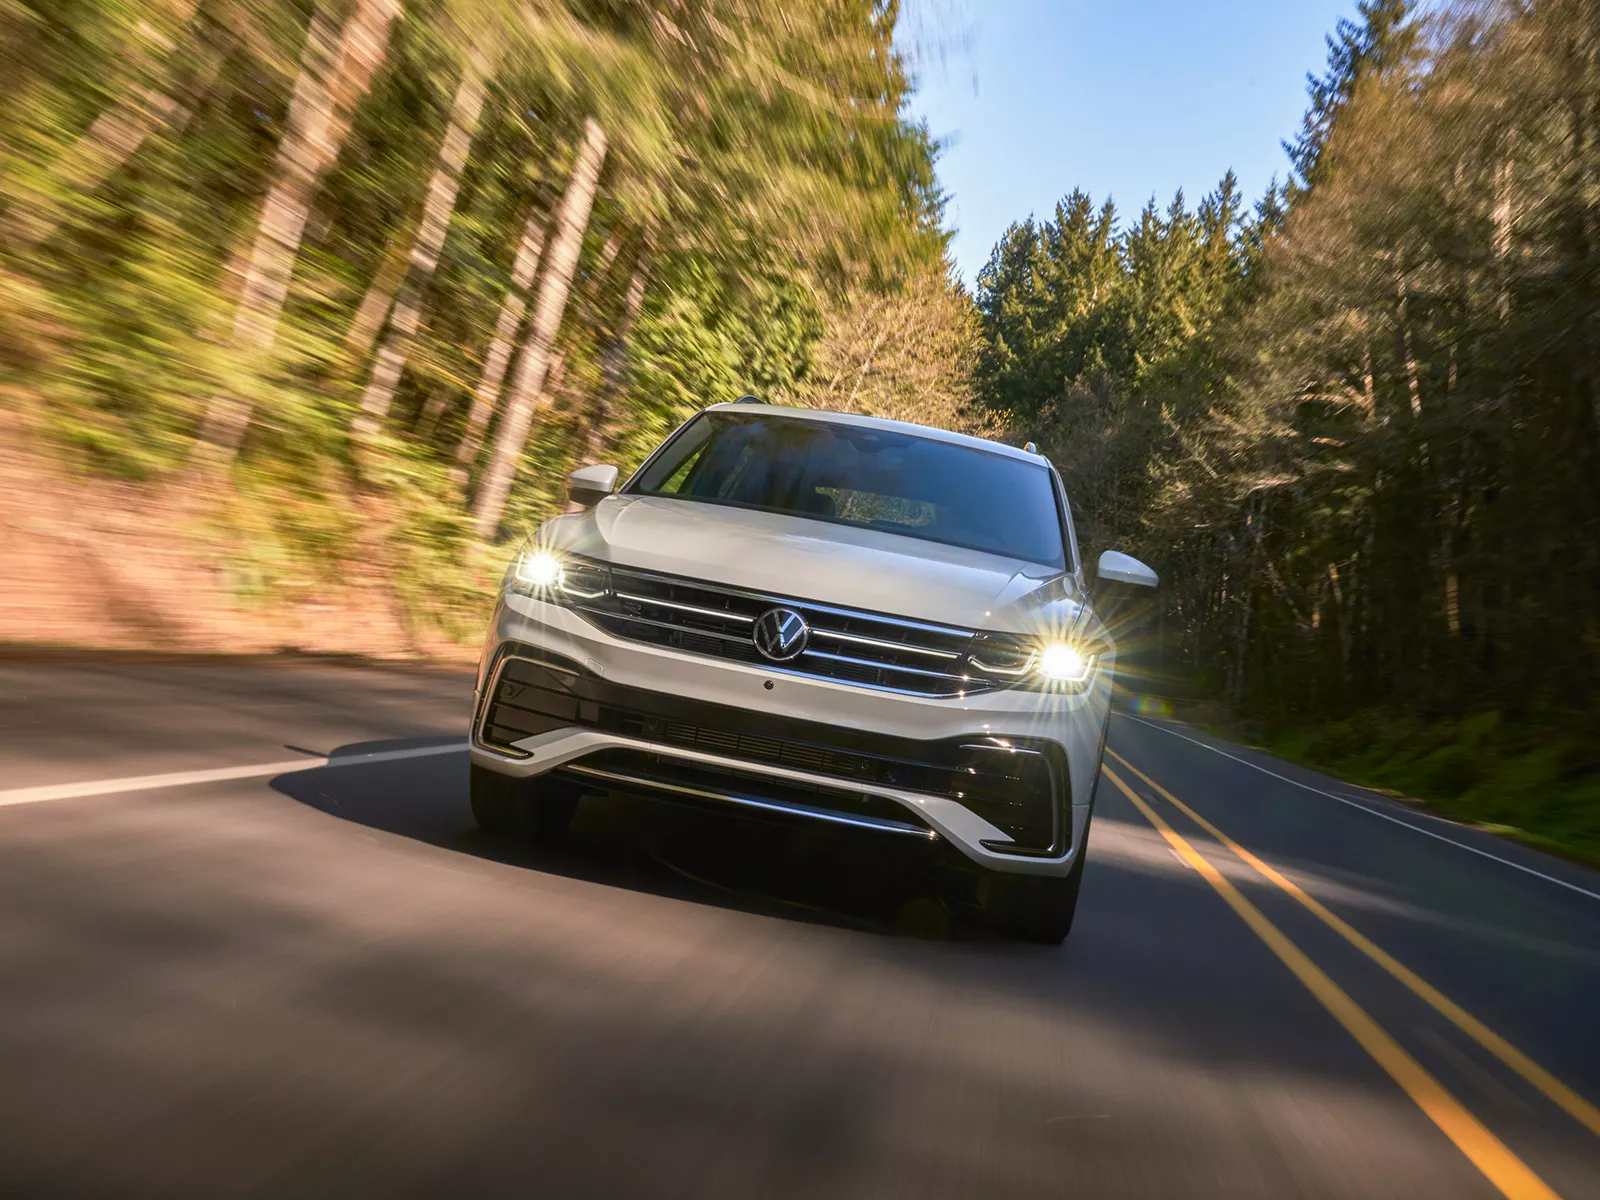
pixel 863 476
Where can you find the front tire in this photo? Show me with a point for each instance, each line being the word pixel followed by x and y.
pixel 536 810
pixel 1035 908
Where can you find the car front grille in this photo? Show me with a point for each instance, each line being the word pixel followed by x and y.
pixel 848 645
pixel 1018 785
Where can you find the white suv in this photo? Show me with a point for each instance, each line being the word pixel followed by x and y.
pixel 817 617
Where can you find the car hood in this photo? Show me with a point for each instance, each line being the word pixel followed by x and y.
pixel 820 561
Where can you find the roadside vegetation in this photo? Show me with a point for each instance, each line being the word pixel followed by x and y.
pixel 350 285
pixel 1531 776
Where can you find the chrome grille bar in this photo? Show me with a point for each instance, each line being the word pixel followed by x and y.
pixel 593 610
pixel 880 645
pixel 849 646
pixel 766 600
pixel 882 666
pixel 688 608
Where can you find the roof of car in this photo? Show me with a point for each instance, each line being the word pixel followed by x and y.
pixel 839 418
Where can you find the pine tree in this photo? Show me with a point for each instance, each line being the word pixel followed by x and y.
pixel 1380 40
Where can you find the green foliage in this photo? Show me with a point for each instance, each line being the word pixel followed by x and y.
pixel 1357 430
pixel 1093 338
pixel 1536 777
pixel 764 146
pixel 1378 42
pixel 908 353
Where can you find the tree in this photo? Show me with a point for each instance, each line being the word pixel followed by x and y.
pixel 270 256
pixel 906 352
pixel 571 222
pixel 487 394
pixel 615 362
pixel 117 133
pixel 436 212
pixel 1380 40
pixel 332 79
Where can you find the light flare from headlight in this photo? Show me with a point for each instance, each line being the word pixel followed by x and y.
pixel 1063 663
pixel 540 570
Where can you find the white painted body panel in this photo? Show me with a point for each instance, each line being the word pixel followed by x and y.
pixel 809 559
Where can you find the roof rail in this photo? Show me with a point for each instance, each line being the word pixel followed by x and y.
pixel 747 398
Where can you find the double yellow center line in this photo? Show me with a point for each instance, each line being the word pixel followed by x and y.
pixel 1503 1168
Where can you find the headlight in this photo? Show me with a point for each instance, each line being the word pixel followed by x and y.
pixel 557 577
pixel 539 570
pixel 1063 663
pixel 1043 664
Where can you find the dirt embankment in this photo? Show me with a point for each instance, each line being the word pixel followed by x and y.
pixel 88 561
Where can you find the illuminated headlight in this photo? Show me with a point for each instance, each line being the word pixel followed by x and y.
pixel 557 577
pixel 1062 663
pixel 539 570
pixel 1027 662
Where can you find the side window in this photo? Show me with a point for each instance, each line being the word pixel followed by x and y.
pixel 669 468
pixel 673 484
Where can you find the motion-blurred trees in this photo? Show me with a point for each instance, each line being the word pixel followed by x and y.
pixel 336 248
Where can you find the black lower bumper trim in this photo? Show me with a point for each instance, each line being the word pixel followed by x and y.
pixel 652 781
pixel 1019 785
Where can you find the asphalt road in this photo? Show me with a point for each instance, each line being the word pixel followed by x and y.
pixel 320 980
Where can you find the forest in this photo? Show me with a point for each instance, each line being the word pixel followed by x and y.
pixel 327 282
pixel 1355 421
pixel 365 279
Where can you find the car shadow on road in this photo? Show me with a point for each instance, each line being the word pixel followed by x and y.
pixel 790 869
pixel 1156 960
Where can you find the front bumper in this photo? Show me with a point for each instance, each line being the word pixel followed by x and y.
pixel 622 748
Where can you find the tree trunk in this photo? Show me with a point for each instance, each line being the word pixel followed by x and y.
pixel 1242 651
pixel 572 221
pixel 602 267
pixel 380 294
pixel 1403 348
pixel 436 213
pixel 614 367
pixel 332 80
pixel 557 374
pixel 487 394
pixel 1502 218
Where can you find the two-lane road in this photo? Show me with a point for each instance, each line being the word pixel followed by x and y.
pixel 251 944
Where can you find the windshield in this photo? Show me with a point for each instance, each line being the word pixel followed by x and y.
pixel 870 478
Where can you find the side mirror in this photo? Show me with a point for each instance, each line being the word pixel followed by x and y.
pixel 1116 567
pixel 590 485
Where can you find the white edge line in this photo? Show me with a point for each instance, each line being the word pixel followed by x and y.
pixel 141 783
pixel 1582 891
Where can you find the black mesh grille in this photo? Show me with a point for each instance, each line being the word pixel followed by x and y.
pixel 1018 785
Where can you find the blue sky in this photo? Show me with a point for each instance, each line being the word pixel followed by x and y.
pixel 1127 98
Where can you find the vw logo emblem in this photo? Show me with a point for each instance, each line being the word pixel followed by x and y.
pixel 780 634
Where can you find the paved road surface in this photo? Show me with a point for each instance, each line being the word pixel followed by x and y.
pixel 319 980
